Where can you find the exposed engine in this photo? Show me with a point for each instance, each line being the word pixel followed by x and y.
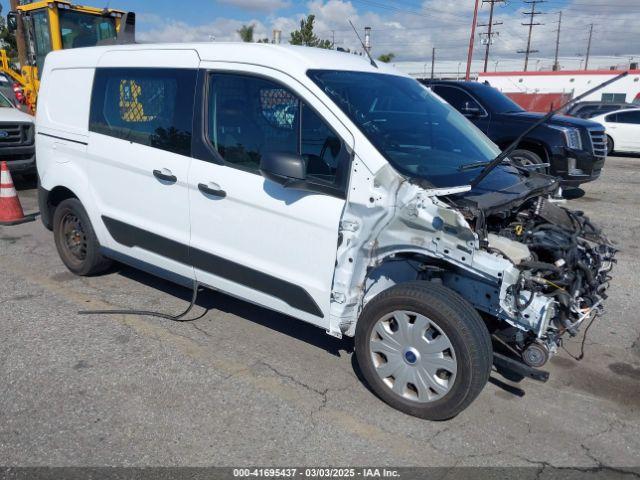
pixel 566 258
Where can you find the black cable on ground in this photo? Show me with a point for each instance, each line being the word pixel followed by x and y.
pixel 174 318
pixel 584 339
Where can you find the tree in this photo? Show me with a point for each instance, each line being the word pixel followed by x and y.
pixel 246 32
pixel 387 57
pixel 306 37
pixel 7 38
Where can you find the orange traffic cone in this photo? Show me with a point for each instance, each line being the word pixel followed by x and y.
pixel 11 212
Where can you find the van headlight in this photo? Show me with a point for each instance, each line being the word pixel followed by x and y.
pixel 572 136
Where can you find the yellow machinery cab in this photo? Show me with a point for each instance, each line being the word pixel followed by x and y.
pixel 43 26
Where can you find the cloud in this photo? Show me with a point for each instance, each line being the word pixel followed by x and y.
pixel 412 30
pixel 257 5
pixel 222 29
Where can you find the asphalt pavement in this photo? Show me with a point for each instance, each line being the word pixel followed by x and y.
pixel 240 385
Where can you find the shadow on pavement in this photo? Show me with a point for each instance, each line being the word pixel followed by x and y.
pixel 573 193
pixel 625 155
pixel 24 182
pixel 518 392
pixel 210 299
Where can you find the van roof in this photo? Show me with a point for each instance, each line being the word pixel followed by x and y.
pixel 285 57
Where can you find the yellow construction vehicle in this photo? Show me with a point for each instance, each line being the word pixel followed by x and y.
pixel 43 26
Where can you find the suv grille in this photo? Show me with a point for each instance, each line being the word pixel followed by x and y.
pixel 15 134
pixel 598 142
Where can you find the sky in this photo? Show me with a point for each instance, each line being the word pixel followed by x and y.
pixel 407 28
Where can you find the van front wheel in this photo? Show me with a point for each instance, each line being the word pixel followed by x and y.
pixel 76 241
pixel 424 350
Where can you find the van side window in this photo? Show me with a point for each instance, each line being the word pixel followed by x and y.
pixel 320 147
pixel 248 116
pixel 152 107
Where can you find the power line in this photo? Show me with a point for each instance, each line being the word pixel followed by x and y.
pixel 489 34
pixel 531 24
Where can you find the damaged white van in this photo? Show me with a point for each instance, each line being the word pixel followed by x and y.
pixel 325 187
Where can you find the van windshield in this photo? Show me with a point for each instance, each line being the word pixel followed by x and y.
pixel 417 132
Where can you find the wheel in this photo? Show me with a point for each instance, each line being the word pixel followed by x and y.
pixel 610 145
pixel 76 241
pixel 527 158
pixel 424 350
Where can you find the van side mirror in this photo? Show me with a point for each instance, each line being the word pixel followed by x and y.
pixel 471 110
pixel 12 21
pixel 287 169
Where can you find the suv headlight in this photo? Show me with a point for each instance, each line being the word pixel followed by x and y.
pixel 572 136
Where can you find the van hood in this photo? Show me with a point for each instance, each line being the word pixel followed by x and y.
pixel 504 189
pixel 504 186
pixel 10 114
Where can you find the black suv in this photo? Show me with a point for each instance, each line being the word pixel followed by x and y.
pixel 575 149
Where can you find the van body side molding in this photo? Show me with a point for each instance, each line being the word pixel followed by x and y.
pixel 293 295
pixel 62 138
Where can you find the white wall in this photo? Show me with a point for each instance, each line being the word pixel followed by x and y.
pixel 561 82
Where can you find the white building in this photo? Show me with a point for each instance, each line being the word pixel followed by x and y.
pixel 572 82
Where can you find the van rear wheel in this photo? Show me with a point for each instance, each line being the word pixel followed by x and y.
pixel 76 240
pixel 424 350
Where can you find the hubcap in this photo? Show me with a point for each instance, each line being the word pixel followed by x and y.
pixel 413 356
pixel 74 237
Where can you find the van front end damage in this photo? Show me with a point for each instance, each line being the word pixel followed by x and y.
pixel 538 269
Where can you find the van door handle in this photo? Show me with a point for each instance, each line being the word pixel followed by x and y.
pixel 165 175
pixel 212 189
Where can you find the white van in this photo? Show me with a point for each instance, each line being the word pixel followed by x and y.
pixel 323 186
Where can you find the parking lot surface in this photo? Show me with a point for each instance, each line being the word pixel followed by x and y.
pixel 240 385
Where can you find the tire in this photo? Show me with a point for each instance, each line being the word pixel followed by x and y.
pixel 418 364
pixel 610 145
pixel 76 240
pixel 528 158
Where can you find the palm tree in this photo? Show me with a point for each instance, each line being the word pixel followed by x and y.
pixel 246 32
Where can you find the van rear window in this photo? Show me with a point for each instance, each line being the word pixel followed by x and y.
pixel 149 106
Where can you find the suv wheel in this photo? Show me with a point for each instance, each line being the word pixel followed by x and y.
pixel 424 350
pixel 76 241
pixel 528 158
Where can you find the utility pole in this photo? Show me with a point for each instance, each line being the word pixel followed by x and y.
pixel 20 43
pixel 531 24
pixel 586 61
pixel 489 34
pixel 556 65
pixel 471 40
pixel 433 61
